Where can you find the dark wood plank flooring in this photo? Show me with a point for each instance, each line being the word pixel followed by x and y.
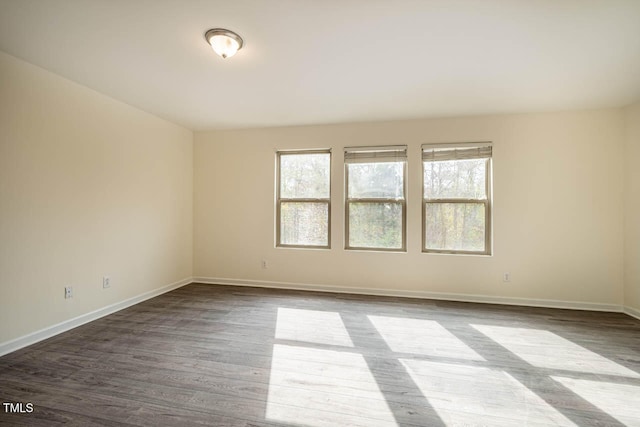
pixel 231 356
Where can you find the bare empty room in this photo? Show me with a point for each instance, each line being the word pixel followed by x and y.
pixel 320 213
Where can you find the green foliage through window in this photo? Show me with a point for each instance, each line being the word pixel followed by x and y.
pixel 456 210
pixel 304 189
pixel 375 197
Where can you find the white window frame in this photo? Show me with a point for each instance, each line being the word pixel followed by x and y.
pixel 460 151
pixel 281 200
pixel 375 154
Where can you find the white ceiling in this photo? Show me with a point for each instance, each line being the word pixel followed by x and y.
pixel 331 61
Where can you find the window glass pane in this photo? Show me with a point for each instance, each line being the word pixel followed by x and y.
pixel 375 225
pixel 304 223
pixel 376 180
pixel 455 179
pixel 455 226
pixel 304 175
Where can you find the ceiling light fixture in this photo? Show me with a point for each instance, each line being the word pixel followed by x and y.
pixel 224 42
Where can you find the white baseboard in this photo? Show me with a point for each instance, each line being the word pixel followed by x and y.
pixel 633 312
pixel 34 337
pixel 573 305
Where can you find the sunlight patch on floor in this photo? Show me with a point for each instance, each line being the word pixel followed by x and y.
pixel 545 349
pixel 303 392
pixel 424 337
pixel 621 401
pixel 319 327
pixel 473 395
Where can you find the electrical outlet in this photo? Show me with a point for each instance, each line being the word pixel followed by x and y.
pixel 68 292
pixel 106 282
pixel 506 277
pixel 265 264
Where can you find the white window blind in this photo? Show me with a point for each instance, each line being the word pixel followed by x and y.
pixel 390 153
pixel 465 151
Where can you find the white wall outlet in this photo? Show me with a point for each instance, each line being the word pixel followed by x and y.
pixel 265 264
pixel 68 292
pixel 106 282
pixel 506 277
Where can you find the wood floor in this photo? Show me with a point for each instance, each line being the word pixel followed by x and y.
pixel 230 356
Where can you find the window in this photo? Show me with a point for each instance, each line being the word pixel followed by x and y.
pixel 456 211
pixel 375 207
pixel 303 202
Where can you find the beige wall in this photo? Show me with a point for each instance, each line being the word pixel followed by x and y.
pixel 88 187
pixel 91 187
pixel 558 208
pixel 632 208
